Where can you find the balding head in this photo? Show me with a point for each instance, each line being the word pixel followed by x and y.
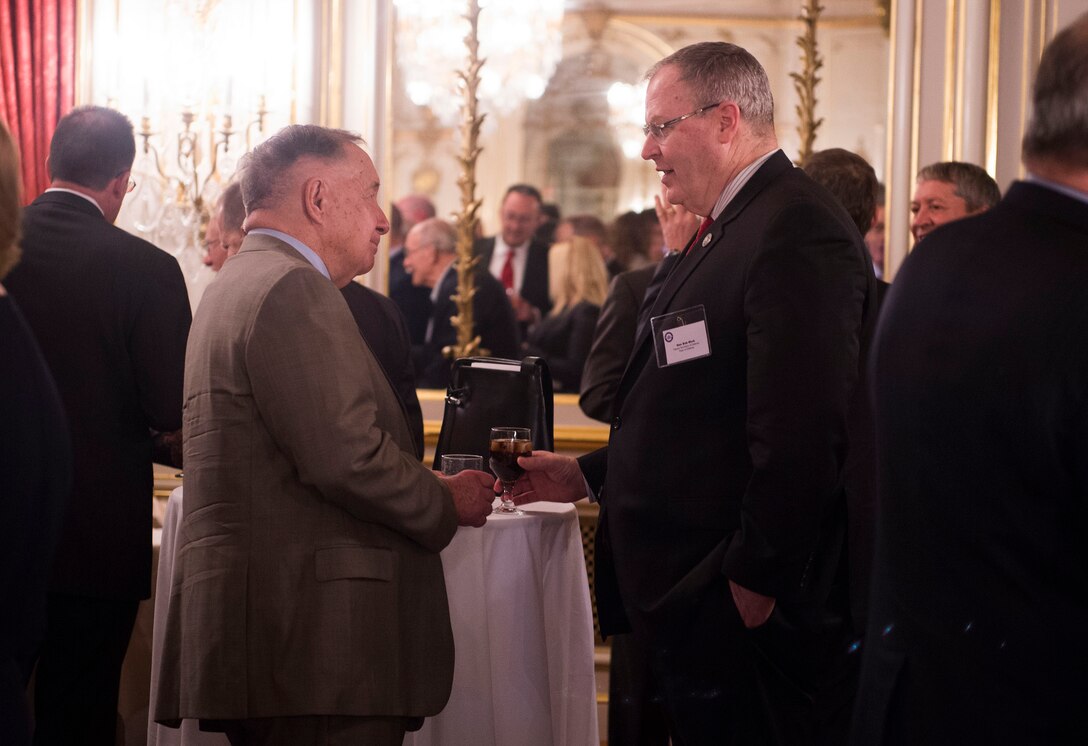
pixel 317 185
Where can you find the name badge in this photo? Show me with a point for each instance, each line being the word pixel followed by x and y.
pixel 680 336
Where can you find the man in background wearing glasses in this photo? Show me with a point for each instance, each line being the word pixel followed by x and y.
pixel 723 520
pixel 111 314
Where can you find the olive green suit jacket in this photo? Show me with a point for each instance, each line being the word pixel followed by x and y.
pixel 307 578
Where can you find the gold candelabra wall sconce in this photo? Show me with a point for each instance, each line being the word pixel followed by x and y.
pixel 195 165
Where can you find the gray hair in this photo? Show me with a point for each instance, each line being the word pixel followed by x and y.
pixel 976 187
pixel 718 71
pixel 263 185
pixel 233 210
pixel 1059 121
pixel 438 233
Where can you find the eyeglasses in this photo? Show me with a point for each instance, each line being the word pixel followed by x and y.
pixel 660 131
pixel 131 185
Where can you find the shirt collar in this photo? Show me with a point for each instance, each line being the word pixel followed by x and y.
pixel 87 197
pixel 1062 188
pixel 733 187
pixel 501 246
pixel 307 253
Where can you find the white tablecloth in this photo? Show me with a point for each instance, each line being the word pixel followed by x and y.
pixel 189 734
pixel 522 630
pixel 523 635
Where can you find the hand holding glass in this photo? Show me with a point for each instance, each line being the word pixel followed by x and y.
pixel 507 444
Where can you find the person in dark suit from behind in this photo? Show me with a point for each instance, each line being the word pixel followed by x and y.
pixel 615 333
pixel 549 222
pixel 852 181
pixel 430 258
pixel 579 283
pixel 980 375
pixel 386 333
pixel 35 475
pixel 516 259
pixel 594 229
pixel 414 302
pixel 723 518
pixel 874 238
pixel 111 315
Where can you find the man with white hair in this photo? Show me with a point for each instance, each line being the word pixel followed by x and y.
pixel 312 607
pixel 430 258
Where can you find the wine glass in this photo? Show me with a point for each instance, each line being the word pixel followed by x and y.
pixel 455 463
pixel 507 443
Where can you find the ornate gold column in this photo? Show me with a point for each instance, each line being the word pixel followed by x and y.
pixel 467 343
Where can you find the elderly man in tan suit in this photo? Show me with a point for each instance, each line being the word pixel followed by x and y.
pixel 309 601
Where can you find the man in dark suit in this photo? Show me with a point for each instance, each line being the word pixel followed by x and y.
pixel 612 341
pixel 429 257
pixel 384 329
pixel 723 520
pixel 414 302
pixel 515 258
pixel 111 315
pixel 980 374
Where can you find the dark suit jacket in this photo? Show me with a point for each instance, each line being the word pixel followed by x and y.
pixel 493 319
pixel 111 315
pixel 35 481
pixel 980 592
pixel 414 302
pixel 534 286
pixel 730 466
pixel 612 342
pixel 384 330
pixel 563 340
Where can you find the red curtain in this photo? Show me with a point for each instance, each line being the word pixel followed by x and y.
pixel 37 78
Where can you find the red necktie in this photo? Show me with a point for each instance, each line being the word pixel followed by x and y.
pixel 702 229
pixel 506 276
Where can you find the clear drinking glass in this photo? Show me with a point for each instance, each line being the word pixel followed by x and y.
pixel 507 444
pixel 455 463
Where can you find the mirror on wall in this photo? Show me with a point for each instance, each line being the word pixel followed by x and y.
pixel 579 140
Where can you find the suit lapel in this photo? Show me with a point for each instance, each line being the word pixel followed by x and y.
pixel 768 172
pixel 774 167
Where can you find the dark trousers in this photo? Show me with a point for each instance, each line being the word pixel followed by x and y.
pixel 719 684
pixel 79 671
pixel 635 716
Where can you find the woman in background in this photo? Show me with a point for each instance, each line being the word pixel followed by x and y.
pixel 577 285
pixel 35 475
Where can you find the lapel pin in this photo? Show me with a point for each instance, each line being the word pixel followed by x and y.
pixel 707 239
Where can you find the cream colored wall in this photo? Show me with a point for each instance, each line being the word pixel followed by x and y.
pixel 962 74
